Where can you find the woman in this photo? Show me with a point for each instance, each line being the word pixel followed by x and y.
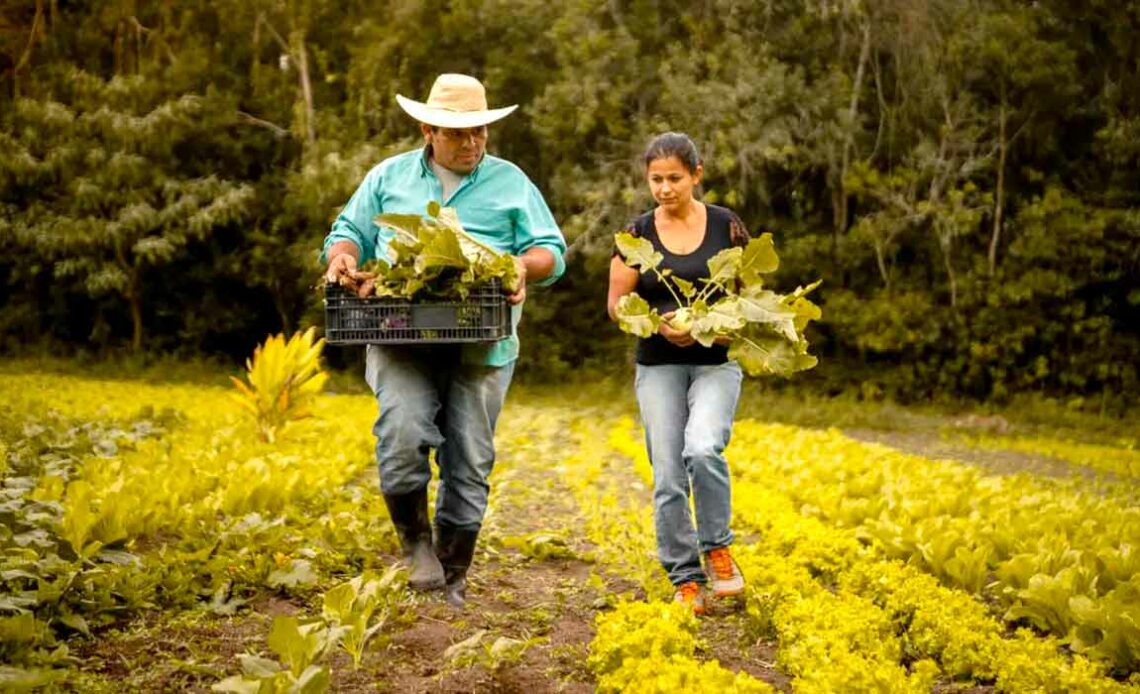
pixel 687 393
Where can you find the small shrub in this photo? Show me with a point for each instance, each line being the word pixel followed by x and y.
pixel 284 379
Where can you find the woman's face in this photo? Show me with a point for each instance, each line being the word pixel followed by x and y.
pixel 671 182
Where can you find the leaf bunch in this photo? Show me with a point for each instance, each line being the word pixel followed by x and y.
pixel 285 378
pixel 433 256
pixel 353 606
pixel 301 646
pixel 653 647
pixel 764 329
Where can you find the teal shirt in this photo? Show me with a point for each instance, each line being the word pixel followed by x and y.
pixel 496 203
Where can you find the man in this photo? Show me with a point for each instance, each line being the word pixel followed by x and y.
pixel 445 397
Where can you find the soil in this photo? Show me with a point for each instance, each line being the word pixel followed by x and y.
pixel 548 603
pixel 930 444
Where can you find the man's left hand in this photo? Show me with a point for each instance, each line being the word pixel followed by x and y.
pixel 520 294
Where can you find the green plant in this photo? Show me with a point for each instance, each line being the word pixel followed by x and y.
pixel 300 647
pixel 433 256
pixel 541 545
pixel 493 656
pixel 764 329
pixel 284 379
pixel 353 604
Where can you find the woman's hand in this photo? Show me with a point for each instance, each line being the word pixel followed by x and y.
pixel 681 338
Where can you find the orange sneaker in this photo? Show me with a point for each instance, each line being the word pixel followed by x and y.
pixel 725 574
pixel 691 594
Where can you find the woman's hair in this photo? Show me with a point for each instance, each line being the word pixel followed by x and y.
pixel 677 145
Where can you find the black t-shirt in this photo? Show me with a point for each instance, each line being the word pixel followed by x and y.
pixel 723 229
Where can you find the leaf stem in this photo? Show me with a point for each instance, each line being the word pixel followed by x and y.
pixel 703 294
pixel 669 285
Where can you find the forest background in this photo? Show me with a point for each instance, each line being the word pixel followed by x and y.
pixel 964 175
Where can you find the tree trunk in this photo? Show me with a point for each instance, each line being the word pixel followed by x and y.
pixel 133 294
pixel 118 49
pixel 295 49
pixel 298 40
pixel 26 56
pixel 999 193
pixel 946 242
pixel 853 107
pixel 255 63
pixel 282 312
pixel 838 219
pixel 135 300
pixel 882 263
pixel 138 45
pixel 839 202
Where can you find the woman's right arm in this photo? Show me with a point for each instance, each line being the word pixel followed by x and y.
pixel 623 280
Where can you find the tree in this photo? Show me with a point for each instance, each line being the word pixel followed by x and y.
pixel 104 188
pixel 1023 76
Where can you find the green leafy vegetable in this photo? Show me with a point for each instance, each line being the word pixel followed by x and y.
pixel 764 329
pixel 433 256
pixel 636 317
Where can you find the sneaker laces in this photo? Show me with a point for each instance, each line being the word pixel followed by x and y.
pixel 721 561
pixel 689 591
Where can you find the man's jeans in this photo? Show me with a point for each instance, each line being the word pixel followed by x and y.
pixel 429 399
pixel 687 412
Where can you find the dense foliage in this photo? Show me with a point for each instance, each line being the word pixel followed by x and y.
pixel 964 176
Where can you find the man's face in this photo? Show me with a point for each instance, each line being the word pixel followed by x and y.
pixel 458 149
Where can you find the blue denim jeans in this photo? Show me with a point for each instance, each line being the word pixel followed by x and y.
pixel 429 399
pixel 687 411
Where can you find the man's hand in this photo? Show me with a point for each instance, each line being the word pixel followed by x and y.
pixel 681 338
pixel 520 294
pixel 342 267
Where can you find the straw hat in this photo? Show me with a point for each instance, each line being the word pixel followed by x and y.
pixel 455 101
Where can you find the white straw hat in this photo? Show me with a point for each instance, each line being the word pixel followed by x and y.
pixel 455 101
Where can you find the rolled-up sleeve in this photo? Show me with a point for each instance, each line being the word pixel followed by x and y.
pixel 354 223
pixel 535 228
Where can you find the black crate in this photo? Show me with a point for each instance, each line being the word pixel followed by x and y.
pixel 349 320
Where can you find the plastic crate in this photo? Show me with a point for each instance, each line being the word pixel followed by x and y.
pixel 349 320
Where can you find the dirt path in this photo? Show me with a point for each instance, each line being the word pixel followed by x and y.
pixel 538 581
pixel 1002 462
pixel 527 583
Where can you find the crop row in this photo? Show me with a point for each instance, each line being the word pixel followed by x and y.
pixel 640 647
pixel 1057 557
pixel 848 617
pixel 110 508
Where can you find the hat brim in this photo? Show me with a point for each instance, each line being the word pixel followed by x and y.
pixel 442 118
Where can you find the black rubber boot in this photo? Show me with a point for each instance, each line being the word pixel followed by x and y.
pixel 455 549
pixel 409 514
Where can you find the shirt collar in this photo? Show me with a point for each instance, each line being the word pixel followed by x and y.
pixel 425 165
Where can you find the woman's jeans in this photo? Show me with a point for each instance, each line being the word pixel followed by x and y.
pixel 687 411
pixel 429 399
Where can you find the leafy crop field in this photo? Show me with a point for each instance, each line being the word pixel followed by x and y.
pixel 153 541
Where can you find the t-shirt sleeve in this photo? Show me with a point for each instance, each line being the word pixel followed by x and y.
pixel 737 233
pixel 631 229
